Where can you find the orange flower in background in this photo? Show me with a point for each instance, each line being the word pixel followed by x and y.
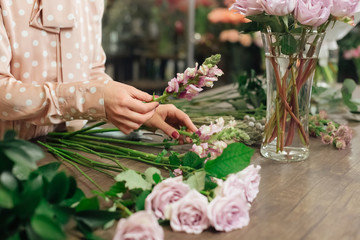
pixel 234 36
pixel 223 15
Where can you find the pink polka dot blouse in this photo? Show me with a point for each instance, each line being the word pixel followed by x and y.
pixel 51 64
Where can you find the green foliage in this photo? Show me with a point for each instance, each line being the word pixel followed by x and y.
pixel 234 158
pixel 133 180
pixel 38 202
pixel 251 88
pixel 347 90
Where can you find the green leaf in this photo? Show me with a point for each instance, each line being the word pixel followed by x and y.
pixel 30 197
pixel 97 218
pixel 20 157
pixel 72 187
pixel 347 90
pixel 140 200
pixel 21 172
pixel 6 199
pixel 150 172
pixel 197 181
pixel 58 188
pixel 9 135
pixel 174 160
pixel 79 194
pixel 115 189
pixel 8 181
pixel 157 178
pixel 288 44
pixel 47 228
pixel 49 170
pixel 209 184
pixel 193 160
pixel 234 158
pixel 133 180
pixel 88 204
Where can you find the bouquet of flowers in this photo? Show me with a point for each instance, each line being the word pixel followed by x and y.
pixel 292 32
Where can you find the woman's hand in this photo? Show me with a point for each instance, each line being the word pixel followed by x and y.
pixel 168 118
pixel 126 107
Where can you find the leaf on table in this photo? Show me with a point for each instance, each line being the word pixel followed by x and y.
pixel 234 158
pixel 133 180
pixel 47 228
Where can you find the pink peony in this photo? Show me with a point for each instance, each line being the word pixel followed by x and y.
pixel 189 214
pixel 140 225
pixel 168 191
pixel 344 8
pixel 228 213
pixel 313 12
pixel 278 7
pixel 251 178
pixel 247 7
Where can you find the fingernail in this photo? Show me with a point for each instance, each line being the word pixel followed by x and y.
pixel 175 135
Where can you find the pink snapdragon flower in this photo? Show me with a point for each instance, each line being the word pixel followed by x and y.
pixel 189 214
pixel 228 213
pixel 344 8
pixel 247 7
pixel 140 225
pixel 173 85
pixel 313 12
pixel 190 92
pixel 206 131
pixel 166 192
pixel 278 7
pixel 202 150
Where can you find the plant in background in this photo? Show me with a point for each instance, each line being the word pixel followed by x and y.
pixel 42 202
pixel 292 35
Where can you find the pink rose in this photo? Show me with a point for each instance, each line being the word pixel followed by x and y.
pixel 228 213
pixel 344 8
pixel 312 12
pixel 233 185
pixel 247 7
pixel 278 7
pixel 251 178
pixel 189 214
pixel 140 225
pixel 168 191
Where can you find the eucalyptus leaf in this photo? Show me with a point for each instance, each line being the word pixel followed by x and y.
pixel 234 158
pixel 133 180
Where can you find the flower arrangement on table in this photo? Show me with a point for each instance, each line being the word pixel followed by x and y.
pixel 292 34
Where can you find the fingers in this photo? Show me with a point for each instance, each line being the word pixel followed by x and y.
pixel 140 95
pixel 185 120
pixel 140 107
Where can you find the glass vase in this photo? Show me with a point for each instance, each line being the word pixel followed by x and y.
pixel 291 60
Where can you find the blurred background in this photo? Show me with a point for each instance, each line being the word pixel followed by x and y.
pixel 148 41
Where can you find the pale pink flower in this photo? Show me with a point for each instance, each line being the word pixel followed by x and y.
pixel 166 192
pixel 140 225
pixel 340 144
pixel 189 214
pixel 190 72
pixel 207 81
pixel 215 72
pixel 330 127
pixel 326 138
pixel 312 12
pixel 247 7
pixel 228 213
pixel 201 150
pixel 178 172
pixel 233 185
pixel 217 148
pixel 251 178
pixel 344 8
pixel 323 115
pixel 173 85
pixel 191 91
pixel 278 7
pixel 204 70
pixel 345 133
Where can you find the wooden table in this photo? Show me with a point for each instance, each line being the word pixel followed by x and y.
pixel 318 198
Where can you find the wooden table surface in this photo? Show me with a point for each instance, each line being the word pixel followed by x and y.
pixel 318 198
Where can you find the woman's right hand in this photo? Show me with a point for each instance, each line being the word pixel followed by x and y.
pixel 127 107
